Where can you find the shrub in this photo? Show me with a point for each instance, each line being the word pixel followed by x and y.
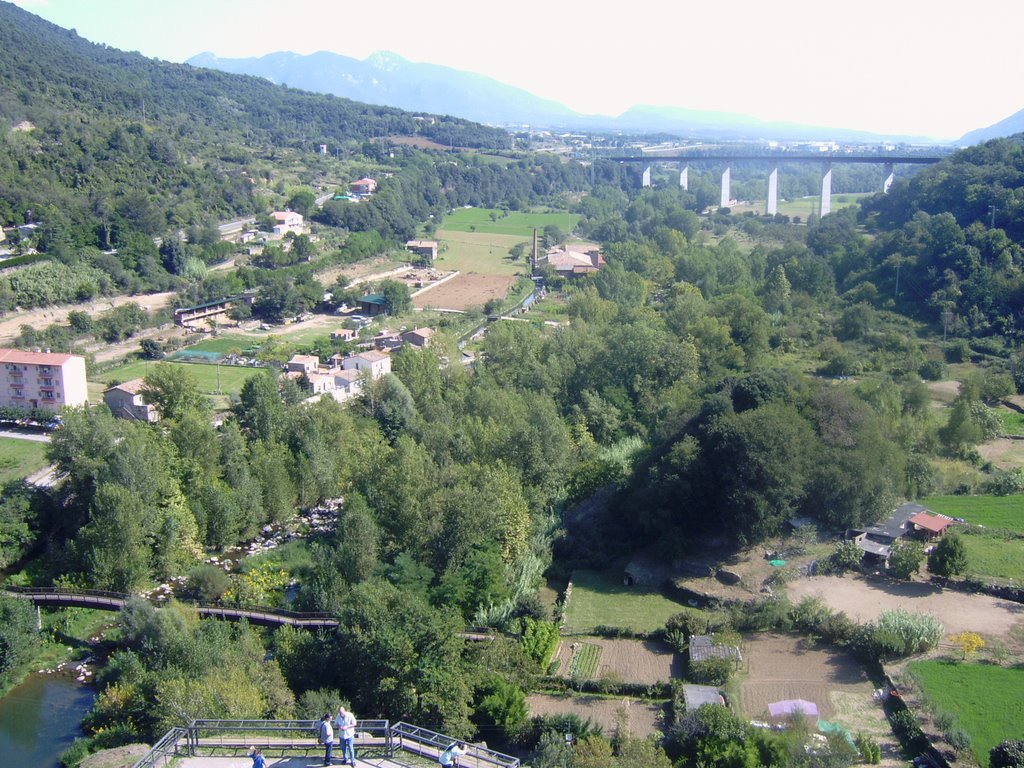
pixel 958 739
pixel 901 633
pixel 846 556
pixel 944 721
pixel 540 639
pixel 905 559
pixel 932 370
pixel 949 558
pixel 208 582
pixel 713 671
pixel 688 623
pixel 1008 754
pixel 869 750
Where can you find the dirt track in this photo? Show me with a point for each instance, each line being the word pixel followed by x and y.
pixel 10 325
pixel 864 599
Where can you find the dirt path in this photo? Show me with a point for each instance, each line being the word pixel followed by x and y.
pixel 10 325
pixel 864 599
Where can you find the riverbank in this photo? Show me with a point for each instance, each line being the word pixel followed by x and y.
pixel 40 718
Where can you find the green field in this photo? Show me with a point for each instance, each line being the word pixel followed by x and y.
pixel 601 599
pixel 1013 422
pixel 222 345
pixel 994 556
pixel 517 224
pixel 20 458
pixel 986 700
pixel 805 206
pixel 481 252
pixel 584 661
pixel 990 511
pixel 231 377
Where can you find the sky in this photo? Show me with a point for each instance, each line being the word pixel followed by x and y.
pixel 935 68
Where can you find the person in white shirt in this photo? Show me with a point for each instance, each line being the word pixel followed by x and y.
pixel 450 757
pixel 345 724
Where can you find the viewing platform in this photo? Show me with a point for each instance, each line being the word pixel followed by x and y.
pixel 293 743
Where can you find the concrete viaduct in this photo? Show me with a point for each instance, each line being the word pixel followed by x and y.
pixel 889 162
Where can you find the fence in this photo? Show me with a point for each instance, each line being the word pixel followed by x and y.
pixel 213 737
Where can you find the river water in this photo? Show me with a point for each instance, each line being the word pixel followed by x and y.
pixel 39 720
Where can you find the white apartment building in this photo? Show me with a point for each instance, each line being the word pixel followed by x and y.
pixel 41 379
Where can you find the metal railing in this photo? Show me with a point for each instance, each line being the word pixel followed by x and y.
pixel 210 737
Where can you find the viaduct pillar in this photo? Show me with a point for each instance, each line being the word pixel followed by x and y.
pixel 684 176
pixel 826 190
pixel 725 188
pixel 647 177
pixel 890 173
pixel 772 207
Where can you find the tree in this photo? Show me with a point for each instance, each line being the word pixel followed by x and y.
pixel 17 634
pixel 905 559
pixel 302 201
pixel 174 391
pixel 397 296
pixel 949 558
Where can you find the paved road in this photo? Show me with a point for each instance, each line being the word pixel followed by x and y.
pixel 230 227
pixel 22 434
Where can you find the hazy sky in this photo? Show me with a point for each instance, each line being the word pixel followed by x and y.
pixel 925 67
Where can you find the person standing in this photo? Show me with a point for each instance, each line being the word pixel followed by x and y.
pixel 258 761
pixel 327 737
pixel 345 724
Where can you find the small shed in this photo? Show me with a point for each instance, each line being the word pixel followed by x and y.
pixel 694 696
pixel 931 526
pixel 373 304
pixel 703 647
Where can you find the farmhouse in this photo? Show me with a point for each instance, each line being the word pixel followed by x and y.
pixel 343 334
pixel 42 380
pixel 363 187
pixel 703 647
pixel 286 221
pixel 303 364
pixel 425 249
pixel 906 520
pixel 418 337
pixel 572 262
pixel 125 401
pixel 377 363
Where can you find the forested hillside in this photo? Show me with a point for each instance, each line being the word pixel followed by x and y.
pixel 123 144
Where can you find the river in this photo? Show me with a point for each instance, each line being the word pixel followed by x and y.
pixel 39 719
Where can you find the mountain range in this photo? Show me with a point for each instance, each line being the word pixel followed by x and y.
pixel 389 79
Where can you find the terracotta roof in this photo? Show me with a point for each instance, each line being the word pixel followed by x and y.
pixel 132 387
pixel 932 523
pixel 305 359
pixel 24 357
pixel 373 355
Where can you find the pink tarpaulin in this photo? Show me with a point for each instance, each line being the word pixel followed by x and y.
pixel 791 707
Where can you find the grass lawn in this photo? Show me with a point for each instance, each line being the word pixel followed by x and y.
pixel 481 252
pixel 517 224
pixel 20 458
pixel 987 700
pixel 990 511
pixel 223 344
pixel 231 377
pixel 995 557
pixel 1013 422
pixel 601 599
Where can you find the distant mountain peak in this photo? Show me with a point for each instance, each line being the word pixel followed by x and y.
pixel 386 60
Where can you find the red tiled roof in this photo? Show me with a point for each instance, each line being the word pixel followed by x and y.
pixel 133 386
pixel 932 523
pixel 24 357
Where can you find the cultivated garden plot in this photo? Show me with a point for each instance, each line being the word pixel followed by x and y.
pixel 863 599
pixel 645 719
pixel 783 667
pixel 644 662
pixel 466 292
